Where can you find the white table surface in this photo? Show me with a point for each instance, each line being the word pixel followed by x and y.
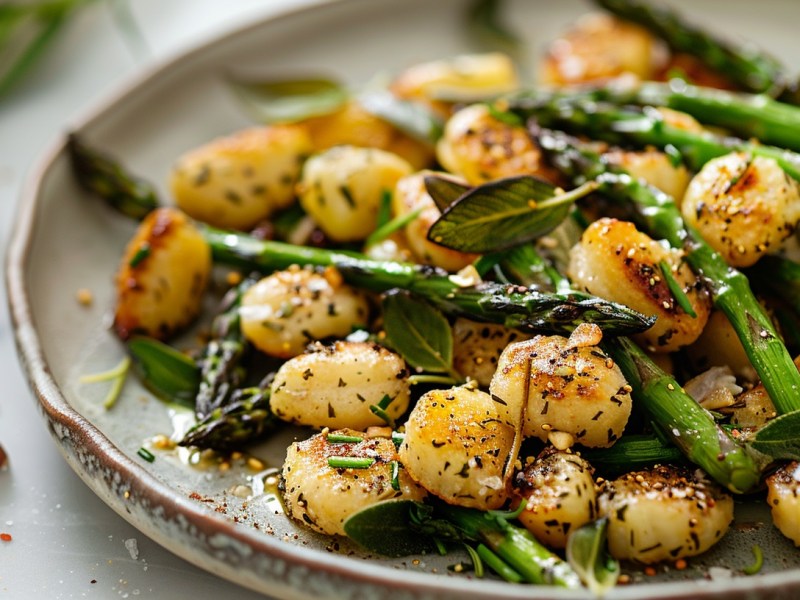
pixel 66 543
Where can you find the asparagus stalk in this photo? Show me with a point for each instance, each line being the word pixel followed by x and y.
pixel 679 417
pixel 744 65
pixel 632 453
pixel 514 306
pixel 101 175
pixel 642 127
pixel 746 115
pixel 220 370
pixel 244 418
pixel 690 427
pixel 516 546
pixel 729 288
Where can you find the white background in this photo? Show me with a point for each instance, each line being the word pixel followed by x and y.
pixel 64 537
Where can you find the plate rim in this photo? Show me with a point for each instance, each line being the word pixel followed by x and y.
pixel 65 422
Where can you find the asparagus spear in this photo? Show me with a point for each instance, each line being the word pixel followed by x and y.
pixel 103 176
pixel 679 417
pixel 514 306
pixel 690 427
pixel 642 127
pixel 516 546
pixel 746 115
pixel 744 65
pixel 220 372
pixel 729 288
pixel 244 418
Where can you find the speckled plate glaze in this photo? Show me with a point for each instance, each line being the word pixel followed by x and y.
pixel 65 241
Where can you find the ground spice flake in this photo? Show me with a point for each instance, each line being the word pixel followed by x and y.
pixel 6 537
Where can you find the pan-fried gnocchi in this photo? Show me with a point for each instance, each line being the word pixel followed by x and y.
pixel 286 311
pixel 335 386
pixel 559 495
pixel 744 206
pixel 342 189
pixel 783 497
pixel 572 391
pixel 664 513
pixel 458 446
pixel 613 260
pixel 162 276
pixel 236 181
pixel 477 348
pixel 322 495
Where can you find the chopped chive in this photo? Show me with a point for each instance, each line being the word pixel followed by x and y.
pixel 677 291
pixel 509 514
pixel 440 547
pixel 398 438
pixel 395 475
pixel 116 376
pixel 384 209
pixel 498 565
pixel 477 563
pixel 387 229
pixel 379 412
pixel 146 454
pixel 379 409
pixel 758 564
pixel 350 462
pixel 338 438
pixel 142 253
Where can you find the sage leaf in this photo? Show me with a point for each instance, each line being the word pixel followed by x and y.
pixel 418 332
pixel 444 190
pixel 169 374
pixel 385 528
pixel 779 438
pixel 288 101
pixel 411 118
pixel 587 555
pixel 504 213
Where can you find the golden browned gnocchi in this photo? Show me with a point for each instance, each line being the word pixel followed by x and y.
pixel 410 195
pixel 286 311
pixel 744 206
pixel 478 147
pixel 459 446
pixel 334 386
pixel 783 497
pixel 463 78
pixel 478 346
pixel 162 277
pixel 341 189
pixel 567 385
pixel 664 513
pixel 559 495
pixel 236 181
pixel 614 260
pixel 352 125
pixel 654 167
pixel 599 46
pixel 322 495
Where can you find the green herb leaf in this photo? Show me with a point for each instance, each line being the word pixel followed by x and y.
pixel 418 332
pixel 384 209
pixel 290 100
pixel 384 528
pixel 444 190
pixel 350 462
pixel 381 233
pixel 758 562
pixel 169 374
pixel 676 290
pixel 498 565
pixel 411 118
pixel 779 438
pixel 146 454
pixel 504 213
pixel 587 554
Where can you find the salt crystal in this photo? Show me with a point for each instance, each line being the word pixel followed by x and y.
pixel 133 548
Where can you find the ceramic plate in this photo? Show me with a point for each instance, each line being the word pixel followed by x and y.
pixel 223 521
